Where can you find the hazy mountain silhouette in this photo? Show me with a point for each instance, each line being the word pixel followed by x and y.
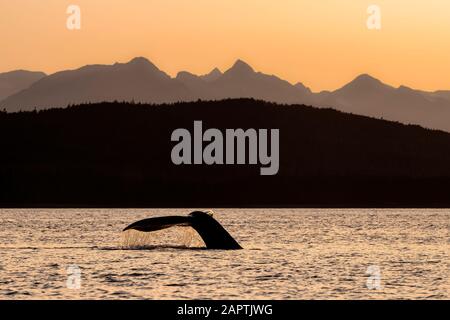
pixel 141 81
pixel 199 87
pixel 370 97
pixel 15 81
pixel 241 81
pixel 138 80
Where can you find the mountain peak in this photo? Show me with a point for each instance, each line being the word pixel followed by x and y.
pixel 139 60
pixel 213 75
pixel 185 75
pixel 366 78
pixel 142 63
pixel 364 82
pixel 300 86
pixel 241 67
pixel 215 71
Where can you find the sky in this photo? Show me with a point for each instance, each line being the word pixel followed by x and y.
pixel 321 43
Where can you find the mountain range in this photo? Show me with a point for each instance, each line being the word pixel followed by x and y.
pixel 141 81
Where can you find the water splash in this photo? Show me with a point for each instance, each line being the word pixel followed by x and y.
pixel 174 237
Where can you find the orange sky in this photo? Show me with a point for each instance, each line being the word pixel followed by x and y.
pixel 322 43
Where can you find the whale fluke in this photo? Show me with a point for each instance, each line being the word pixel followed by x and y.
pixel 160 223
pixel 213 234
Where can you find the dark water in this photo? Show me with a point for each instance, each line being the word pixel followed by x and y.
pixel 289 254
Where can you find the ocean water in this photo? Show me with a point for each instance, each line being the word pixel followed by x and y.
pixel 288 254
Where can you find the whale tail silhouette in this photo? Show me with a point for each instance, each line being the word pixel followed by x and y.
pixel 210 230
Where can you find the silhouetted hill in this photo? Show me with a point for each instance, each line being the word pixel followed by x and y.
pixel 119 155
pixel 15 81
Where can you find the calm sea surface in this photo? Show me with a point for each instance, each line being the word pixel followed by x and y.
pixel 289 254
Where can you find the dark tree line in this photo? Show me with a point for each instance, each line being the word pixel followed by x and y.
pixel 118 155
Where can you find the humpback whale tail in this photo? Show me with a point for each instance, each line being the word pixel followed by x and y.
pixel 210 230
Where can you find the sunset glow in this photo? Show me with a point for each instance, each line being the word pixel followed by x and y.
pixel 323 44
